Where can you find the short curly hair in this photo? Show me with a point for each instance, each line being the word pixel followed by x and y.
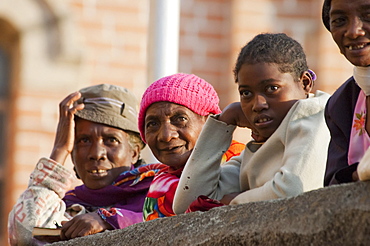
pixel 325 13
pixel 276 48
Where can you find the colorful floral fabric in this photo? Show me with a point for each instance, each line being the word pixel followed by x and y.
pixel 159 200
pixel 119 204
pixel 359 139
pixel 235 149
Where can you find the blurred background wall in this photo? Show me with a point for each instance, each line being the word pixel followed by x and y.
pixel 50 48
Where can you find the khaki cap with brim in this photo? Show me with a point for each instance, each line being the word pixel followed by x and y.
pixel 110 105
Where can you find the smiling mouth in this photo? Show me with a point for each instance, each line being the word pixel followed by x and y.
pixel 171 149
pixel 98 171
pixel 358 46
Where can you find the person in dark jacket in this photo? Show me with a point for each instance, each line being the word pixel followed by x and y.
pixel 346 111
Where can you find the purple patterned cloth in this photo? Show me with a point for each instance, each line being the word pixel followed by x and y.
pixel 120 204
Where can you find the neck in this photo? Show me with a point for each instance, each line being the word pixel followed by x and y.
pixel 362 78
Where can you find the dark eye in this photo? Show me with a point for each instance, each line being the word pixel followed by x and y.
pixel 179 120
pixel 113 140
pixel 82 140
pixel 366 17
pixel 245 94
pixel 182 118
pixel 271 88
pixel 150 124
pixel 338 21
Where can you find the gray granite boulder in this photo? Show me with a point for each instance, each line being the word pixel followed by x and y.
pixel 337 215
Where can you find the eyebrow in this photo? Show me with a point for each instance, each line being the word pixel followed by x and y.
pixel 365 7
pixel 150 117
pixel 265 81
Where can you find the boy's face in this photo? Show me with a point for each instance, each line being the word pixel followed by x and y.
pixel 266 95
pixel 350 28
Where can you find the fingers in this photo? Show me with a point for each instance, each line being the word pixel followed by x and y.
pixel 64 139
pixel 74 228
pixel 82 225
pixel 70 104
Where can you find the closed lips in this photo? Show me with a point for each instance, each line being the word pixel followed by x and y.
pixel 170 148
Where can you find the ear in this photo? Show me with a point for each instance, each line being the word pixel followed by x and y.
pixel 135 154
pixel 307 82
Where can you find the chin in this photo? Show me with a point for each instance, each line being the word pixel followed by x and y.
pixel 95 186
pixel 359 62
pixel 175 165
pixel 176 161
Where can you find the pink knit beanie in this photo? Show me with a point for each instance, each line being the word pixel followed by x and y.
pixel 185 89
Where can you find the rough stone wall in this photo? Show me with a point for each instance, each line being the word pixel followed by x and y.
pixel 337 215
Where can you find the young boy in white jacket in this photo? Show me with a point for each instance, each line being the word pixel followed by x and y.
pixel 288 154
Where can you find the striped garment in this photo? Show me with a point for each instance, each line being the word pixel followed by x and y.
pixel 159 200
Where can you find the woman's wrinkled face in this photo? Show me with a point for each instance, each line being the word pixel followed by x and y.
pixel 171 131
pixel 350 28
pixel 266 95
pixel 101 153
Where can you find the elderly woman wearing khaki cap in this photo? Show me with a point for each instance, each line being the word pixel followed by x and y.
pixel 98 128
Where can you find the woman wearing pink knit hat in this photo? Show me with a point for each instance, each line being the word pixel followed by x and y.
pixel 172 113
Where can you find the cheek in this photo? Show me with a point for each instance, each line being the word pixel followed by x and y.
pixel 120 158
pixel 74 156
pixel 192 140
pixel 120 152
pixel 150 136
pixel 337 40
pixel 246 108
pixel 193 135
pixel 282 109
pixel 150 141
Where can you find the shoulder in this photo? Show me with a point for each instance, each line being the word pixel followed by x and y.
pixel 310 106
pixel 319 99
pixel 341 104
pixel 348 86
pixel 347 92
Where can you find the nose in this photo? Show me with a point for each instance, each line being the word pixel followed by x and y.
pixel 97 151
pixel 259 103
pixel 355 28
pixel 167 132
